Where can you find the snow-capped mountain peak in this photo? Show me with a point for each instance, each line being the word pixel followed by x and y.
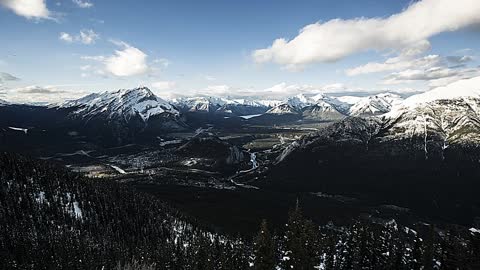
pixel 283 108
pixel 449 114
pixel 222 104
pixel 374 105
pixel 299 101
pixel 124 103
pixel 458 89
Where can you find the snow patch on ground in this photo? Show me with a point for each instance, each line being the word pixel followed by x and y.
pixel 474 230
pixel 249 116
pixel 118 169
pixel 24 130
pixel 77 211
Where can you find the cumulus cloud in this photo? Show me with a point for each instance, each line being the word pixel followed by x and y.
pixel 436 76
pixel 277 91
pixel 397 63
pixel 460 59
pixel 30 9
pixel 129 61
pixel 65 37
pixel 422 75
pixel 165 63
pixel 336 39
pixel 284 89
pixel 164 85
pixel 7 77
pixel 86 36
pixel 85 67
pixel 437 70
pixel 40 94
pixel 334 87
pixel 83 4
pixel 35 89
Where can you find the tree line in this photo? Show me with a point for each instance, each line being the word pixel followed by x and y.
pixel 364 245
pixel 51 218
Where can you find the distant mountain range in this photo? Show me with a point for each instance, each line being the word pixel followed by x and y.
pixel 431 122
pixel 451 113
pixel 321 107
pixel 423 154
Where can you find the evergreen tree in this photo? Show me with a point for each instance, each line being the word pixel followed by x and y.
pixel 264 248
pixel 429 249
pixel 301 237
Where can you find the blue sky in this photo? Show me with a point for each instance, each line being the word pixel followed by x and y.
pixel 54 50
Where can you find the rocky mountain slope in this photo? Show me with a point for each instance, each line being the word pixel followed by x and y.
pixel 123 115
pixel 324 107
pixel 320 107
pixel 123 104
pixel 436 119
pixel 422 155
pixel 223 105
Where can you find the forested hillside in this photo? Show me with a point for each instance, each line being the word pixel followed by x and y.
pixel 54 219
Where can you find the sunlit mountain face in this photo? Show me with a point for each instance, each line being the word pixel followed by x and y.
pixel 239 135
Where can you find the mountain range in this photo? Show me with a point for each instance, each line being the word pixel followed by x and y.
pixel 446 113
pixel 376 158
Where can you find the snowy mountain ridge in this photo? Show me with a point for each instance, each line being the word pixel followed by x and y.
pixel 449 114
pixel 212 104
pixel 124 103
pixel 4 103
pixel 430 122
pixel 346 105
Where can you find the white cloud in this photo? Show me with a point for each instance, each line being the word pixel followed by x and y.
pixel 65 37
pixel 163 62
pixel 83 4
pixel 436 76
pixel 423 75
pixel 127 62
pixel 396 63
pixel 334 87
pixel 164 85
pixel 7 77
pixel 336 39
pixel 94 58
pixel 456 59
pixel 278 91
pixel 86 36
pixel 31 9
pixel 210 78
pixel 85 67
pixel 41 94
pixel 287 90
pixel 436 70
